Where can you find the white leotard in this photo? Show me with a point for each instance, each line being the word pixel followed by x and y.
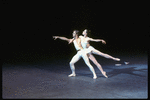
pixel 84 45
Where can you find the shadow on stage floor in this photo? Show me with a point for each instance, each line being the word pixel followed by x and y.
pixel 50 80
pixel 130 71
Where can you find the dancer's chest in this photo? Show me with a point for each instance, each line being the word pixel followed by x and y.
pixel 78 41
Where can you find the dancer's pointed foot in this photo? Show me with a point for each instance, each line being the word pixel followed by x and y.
pixel 71 75
pixel 95 77
pixel 126 63
pixel 116 59
pixel 104 73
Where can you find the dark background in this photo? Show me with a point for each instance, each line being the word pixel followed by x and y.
pixel 27 28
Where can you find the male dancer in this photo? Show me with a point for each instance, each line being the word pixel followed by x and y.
pixel 80 53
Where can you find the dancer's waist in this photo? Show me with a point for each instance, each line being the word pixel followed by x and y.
pixel 90 47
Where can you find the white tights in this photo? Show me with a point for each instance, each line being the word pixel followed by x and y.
pixel 82 54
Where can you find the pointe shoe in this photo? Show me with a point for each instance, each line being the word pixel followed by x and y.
pixel 117 59
pixel 95 77
pixel 71 75
pixel 104 73
pixel 126 63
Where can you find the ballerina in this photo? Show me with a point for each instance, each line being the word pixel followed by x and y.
pixel 85 44
pixel 80 53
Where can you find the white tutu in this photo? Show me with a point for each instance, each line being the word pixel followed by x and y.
pixel 89 49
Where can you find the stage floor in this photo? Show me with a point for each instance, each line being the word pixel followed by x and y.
pixel 50 80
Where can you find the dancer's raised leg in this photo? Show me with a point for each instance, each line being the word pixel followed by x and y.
pixel 72 62
pixel 92 58
pixel 104 55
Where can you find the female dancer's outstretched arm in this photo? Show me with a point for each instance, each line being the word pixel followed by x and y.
pixel 97 40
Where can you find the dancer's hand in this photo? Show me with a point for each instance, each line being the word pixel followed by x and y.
pixel 55 37
pixel 103 42
pixel 70 41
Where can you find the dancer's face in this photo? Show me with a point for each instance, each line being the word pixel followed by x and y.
pixel 74 34
pixel 84 32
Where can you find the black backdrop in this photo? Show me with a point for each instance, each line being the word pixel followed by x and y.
pixel 27 27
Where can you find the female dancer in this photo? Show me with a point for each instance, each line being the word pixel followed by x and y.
pixel 80 53
pixel 85 44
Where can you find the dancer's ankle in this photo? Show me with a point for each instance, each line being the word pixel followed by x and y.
pixel 71 75
pixel 95 77
pixel 104 73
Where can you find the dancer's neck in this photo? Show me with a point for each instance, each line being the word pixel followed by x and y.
pixel 76 37
pixel 85 36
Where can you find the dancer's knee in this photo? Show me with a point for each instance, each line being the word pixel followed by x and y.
pixel 96 63
pixel 105 55
pixel 71 63
pixel 90 66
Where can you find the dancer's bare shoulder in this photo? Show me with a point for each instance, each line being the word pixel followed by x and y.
pixel 88 39
pixel 80 36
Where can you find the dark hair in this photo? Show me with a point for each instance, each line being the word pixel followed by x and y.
pixel 77 32
pixel 88 32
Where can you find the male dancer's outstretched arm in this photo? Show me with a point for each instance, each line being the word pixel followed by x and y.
pixel 63 38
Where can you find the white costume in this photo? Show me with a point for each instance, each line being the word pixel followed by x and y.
pixel 83 54
pixel 84 44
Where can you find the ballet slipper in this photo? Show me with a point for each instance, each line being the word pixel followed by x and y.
pixel 104 73
pixel 95 77
pixel 71 75
pixel 116 59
